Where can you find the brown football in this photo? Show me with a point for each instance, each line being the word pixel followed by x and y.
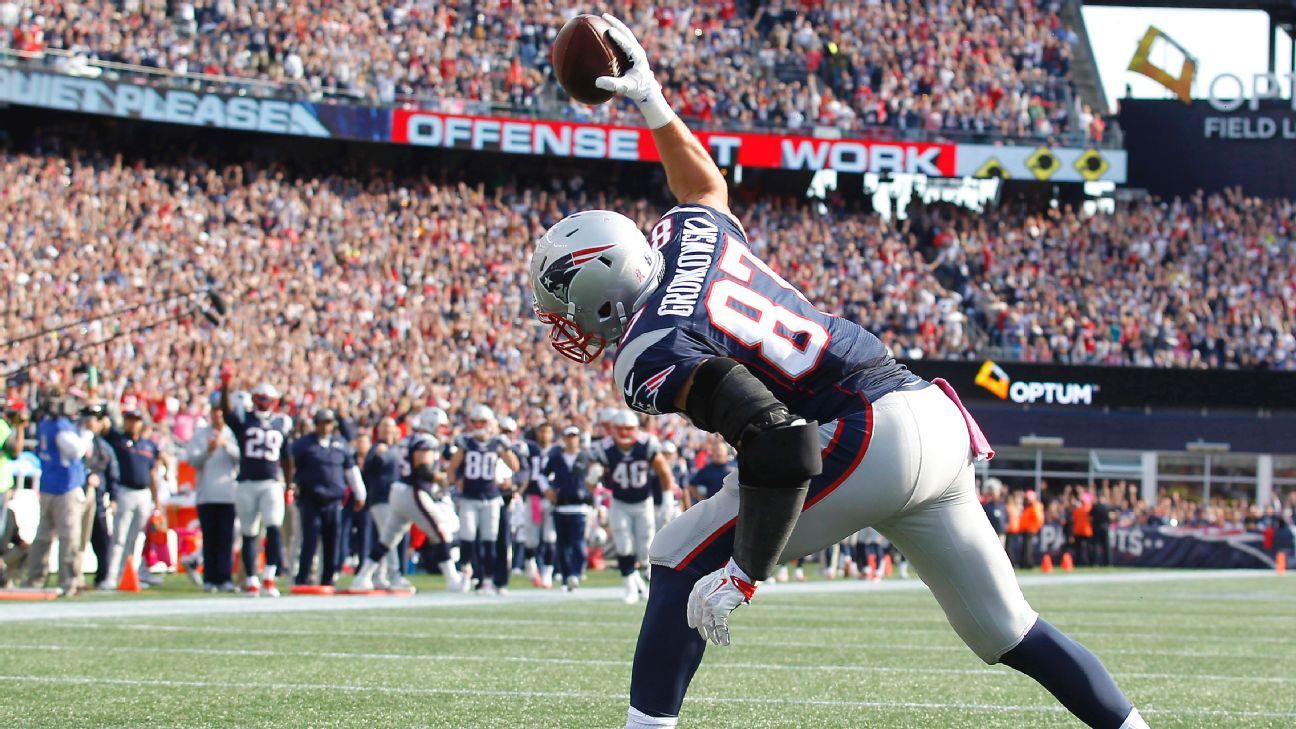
pixel 582 52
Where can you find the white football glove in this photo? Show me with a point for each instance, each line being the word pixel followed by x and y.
pixel 714 597
pixel 638 83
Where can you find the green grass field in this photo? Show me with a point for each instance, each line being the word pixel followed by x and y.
pixel 1193 650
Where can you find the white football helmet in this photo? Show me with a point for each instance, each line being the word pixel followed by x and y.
pixel 480 420
pixel 624 427
pixel 430 420
pixel 265 398
pixel 508 425
pixel 590 273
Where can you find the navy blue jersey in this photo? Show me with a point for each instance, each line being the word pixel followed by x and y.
pixel 380 471
pixel 709 478
pixel 678 472
pixel 135 460
pixel 719 300
pixel 261 442
pixel 531 457
pixel 410 446
pixel 479 467
pixel 626 471
pixel 320 465
pixel 566 474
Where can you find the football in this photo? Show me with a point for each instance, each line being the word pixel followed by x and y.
pixel 584 51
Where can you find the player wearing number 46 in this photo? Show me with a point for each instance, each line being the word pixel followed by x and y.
pixel 625 458
pixel 832 434
pixel 264 468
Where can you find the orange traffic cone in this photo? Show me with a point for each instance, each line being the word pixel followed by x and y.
pixel 1280 564
pixel 886 566
pixel 1046 564
pixel 129 581
pixel 1067 564
pixel 872 566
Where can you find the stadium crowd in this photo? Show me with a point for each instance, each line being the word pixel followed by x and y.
pixel 378 296
pixel 939 68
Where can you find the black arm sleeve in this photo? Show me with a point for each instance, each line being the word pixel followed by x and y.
pixel 778 454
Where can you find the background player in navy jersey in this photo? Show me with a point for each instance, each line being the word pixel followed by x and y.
pixel 705 328
pixel 669 503
pixel 264 468
pixel 627 458
pixel 538 526
pixel 475 466
pixel 417 497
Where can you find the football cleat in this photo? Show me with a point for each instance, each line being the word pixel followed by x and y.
pixel 268 588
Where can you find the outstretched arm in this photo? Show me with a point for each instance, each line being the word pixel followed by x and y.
pixel 691 173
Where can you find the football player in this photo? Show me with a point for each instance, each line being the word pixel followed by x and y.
pixel 626 457
pixel 417 497
pixel 832 434
pixel 475 465
pixel 264 468
pixel 668 504
pixel 539 533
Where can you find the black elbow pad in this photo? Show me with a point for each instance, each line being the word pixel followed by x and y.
pixel 726 398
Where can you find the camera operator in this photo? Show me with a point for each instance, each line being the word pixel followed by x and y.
pixel 62 447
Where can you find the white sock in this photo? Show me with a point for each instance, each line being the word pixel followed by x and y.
pixel 271 571
pixel 447 568
pixel 367 570
pixel 1134 721
pixel 636 719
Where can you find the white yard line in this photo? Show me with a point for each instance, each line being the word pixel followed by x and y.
pixel 592 662
pixel 596 696
pixel 755 641
pixel 96 609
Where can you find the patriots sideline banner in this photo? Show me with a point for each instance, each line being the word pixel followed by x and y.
pixel 1165 546
pixel 546 138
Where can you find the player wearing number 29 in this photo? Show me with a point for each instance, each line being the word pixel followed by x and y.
pixel 832 434
pixel 264 468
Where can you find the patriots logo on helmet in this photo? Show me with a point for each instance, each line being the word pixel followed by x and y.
pixel 557 278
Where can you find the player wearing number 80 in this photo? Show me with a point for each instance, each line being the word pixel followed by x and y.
pixel 703 327
pixel 475 464
pixel 625 458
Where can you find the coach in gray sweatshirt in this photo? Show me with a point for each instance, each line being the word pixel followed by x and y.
pixel 214 454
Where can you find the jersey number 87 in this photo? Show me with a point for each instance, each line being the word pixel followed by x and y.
pixel 789 342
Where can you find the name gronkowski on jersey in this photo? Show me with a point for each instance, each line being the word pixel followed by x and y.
pixel 407 448
pixel 626 472
pixel 261 442
pixel 717 299
pixel 479 467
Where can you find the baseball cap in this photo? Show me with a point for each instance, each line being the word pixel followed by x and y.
pixel 670 447
pixel 325 415
pixel 94 410
pixel 571 430
pixel 132 412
